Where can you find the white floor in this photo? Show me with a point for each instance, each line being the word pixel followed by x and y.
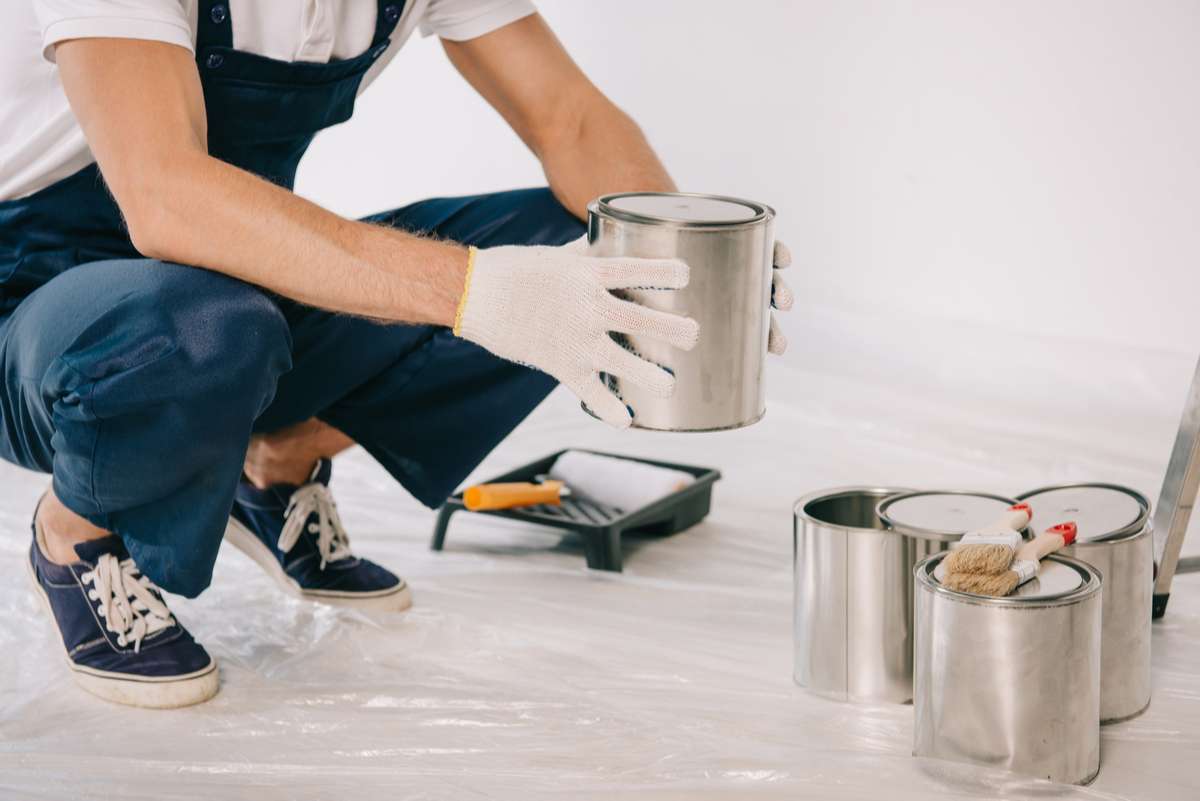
pixel 519 674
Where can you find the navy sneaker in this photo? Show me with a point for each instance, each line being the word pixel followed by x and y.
pixel 295 534
pixel 121 641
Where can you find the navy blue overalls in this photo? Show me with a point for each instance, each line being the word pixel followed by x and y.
pixel 138 383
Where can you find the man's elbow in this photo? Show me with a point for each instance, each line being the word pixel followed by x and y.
pixel 148 231
pixel 153 203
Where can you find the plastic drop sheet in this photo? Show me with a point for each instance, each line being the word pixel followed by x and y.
pixel 520 674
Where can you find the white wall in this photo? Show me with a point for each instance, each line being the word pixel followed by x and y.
pixel 1030 161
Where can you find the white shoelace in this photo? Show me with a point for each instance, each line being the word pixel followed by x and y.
pixel 128 604
pixel 333 543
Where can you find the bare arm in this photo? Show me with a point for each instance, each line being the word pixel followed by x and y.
pixel 587 146
pixel 142 110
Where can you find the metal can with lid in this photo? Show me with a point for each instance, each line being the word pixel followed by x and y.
pixel 1115 538
pixel 728 245
pixel 942 515
pixel 1014 682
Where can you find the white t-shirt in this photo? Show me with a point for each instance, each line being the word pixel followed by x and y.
pixel 40 140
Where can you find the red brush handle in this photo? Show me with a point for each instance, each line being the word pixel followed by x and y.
pixel 1067 531
pixel 1022 507
pixel 1047 542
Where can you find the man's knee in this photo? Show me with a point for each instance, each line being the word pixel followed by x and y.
pixel 212 320
pixel 183 330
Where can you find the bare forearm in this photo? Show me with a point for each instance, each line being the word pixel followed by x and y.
pixel 141 107
pixel 213 215
pixel 603 151
pixel 587 146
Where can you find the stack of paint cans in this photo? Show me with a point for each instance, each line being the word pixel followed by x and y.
pixel 1021 682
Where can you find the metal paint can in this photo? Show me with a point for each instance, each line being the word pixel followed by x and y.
pixel 728 245
pixel 1125 557
pixel 853 597
pixel 942 515
pixel 1011 683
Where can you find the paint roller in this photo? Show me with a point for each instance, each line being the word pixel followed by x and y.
pixel 622 484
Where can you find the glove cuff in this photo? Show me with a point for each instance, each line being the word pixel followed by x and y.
pixel 462 301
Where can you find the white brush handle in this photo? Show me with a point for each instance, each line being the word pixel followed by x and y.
pixel 1016 518
pixel 1005 531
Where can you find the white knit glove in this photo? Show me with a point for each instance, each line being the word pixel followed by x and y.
pixel 551 308
pixel 781 298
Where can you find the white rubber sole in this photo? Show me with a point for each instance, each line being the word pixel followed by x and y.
pixel 148 692
pixel 393 599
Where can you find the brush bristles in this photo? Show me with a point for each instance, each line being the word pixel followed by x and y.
pixel 984 560
pixel 996 585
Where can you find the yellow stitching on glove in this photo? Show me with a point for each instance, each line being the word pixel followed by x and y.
pixel 462 302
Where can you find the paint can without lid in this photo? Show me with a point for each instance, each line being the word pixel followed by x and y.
pixel 1114 537
pixel 727 244
pixel 1011 683
pixel 852 600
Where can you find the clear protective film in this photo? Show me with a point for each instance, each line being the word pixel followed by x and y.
pixel 520 674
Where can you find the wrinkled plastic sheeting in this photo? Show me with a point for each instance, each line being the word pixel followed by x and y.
pixel 520 674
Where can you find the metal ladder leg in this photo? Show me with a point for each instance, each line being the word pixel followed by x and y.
pixel 1177 499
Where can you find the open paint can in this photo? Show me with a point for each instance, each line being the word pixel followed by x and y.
pixel 853 597
pixel 1011 683
pixel 728 245
pixel 1115 538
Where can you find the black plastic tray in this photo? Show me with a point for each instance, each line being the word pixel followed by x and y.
pixel 600 526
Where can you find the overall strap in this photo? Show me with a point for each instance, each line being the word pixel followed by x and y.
pixel 385 20
pixel 214 28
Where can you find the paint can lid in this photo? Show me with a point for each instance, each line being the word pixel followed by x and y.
pixel 1100 511
pixel 941 515
pixel 1053 580
pixel 681 209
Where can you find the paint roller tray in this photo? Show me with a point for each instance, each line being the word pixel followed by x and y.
pixel 600 526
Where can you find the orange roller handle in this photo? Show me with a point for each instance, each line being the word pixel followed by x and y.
pixel 508 496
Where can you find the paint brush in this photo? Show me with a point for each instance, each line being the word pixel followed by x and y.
pixel 990 550
pixel 1024 566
